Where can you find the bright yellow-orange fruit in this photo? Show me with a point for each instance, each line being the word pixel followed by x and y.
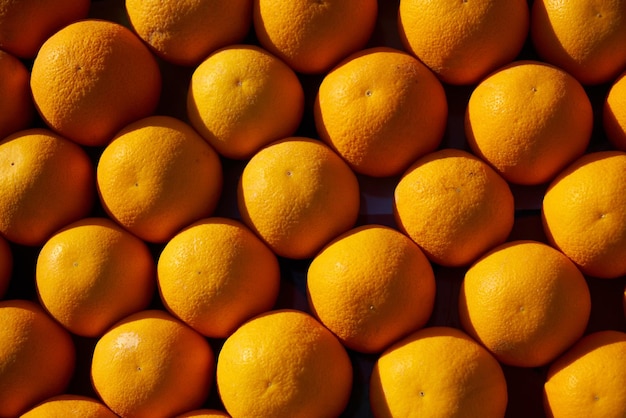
pixel 241 98
pixel 525 302
pixel 37 357
pixel 614 113
pixel 437 371
pixel 6 266
pixel 283 364
pixel 380 109
pixel 454 206
pixel 529 120
pixel 16 103
pixel 70 406
pixel 584 213
pixel 460 40
pixel 589 379
pixel 204 413
pixel 151 364
pixel 106 79
pixel 157 176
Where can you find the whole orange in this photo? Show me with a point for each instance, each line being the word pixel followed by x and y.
pixel 614 113
pixel 204 413
pixel 6 266
pixel 70 406
pixel 16 103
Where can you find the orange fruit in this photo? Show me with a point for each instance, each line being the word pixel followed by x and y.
pixel 37 357
pixel 204 413
pixel 92 274
pixel 584 213
pixel 454 206
pixel 589 379
pixel 313 36
pixel 185 32
pixel 67 405
pixel 283 363
pixel 46 182
pixel 26 24
pixel 6 266
pixel 525 302
pixel 151 364
pixel 380 109
pixel 370 287
pixel 463 41
pixel 297 195
pixel 529 120
pixel 614 113
pixel 16 104
pixel 157 176
pixel 106 79
pixel 241 98
pixel 437 371
pixel 216 274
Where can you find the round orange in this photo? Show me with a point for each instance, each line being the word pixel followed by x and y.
pixel 614 113
pixel 73 406
pixel 6 266
pixel 16 103
pixel 204 413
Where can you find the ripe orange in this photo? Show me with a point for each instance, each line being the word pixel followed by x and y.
pixel 92 274
pixel 614 113
pixel 16 103
pixel 6 266
pixel 46 182
pixel 454 206
pixel 216 274
pixel 297 195
pixel 106 79
pixel 157 176
pixel 241 98
pixel 313 36
pixel 437 371
pixel 525 302
pixel 529 120
pixel 204 413
pixel 283 363
pixel 380 109
pixel 70 406
pixel 370 287
pixel 37 357
pixel 463 41
pixel 586 38
pixel 589 379
pixel 584 213
pixel 151 364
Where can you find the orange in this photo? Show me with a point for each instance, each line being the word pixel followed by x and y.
pixel 216 274
pixel 67 405
pixel 529 120
pixel 380 109
pixel 437 371
pixel 106 79
pixel 312 36
pixel 525 302
pixel 6 266
pixel 26 24
pixel 589 379
pixel 92 274
pixel 370 287
pixel 460 40
pixel 185 32
pixel 283 364
pixel 16 104
pixel 297 195
pixel 614 113
pixel 37 357
pixel 151 364
pixel 586 38
pixel 584 213
pixel 454 206
pixel 157 176
pixel 241 98
pixel 46 182
pixel 204 413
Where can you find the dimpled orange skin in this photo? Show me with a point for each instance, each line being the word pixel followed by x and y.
pixel 6 266
pixel 72 406
pixel 614 113
pixel 16 103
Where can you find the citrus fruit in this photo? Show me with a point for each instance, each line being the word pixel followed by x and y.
pixel 204 413
pixel 437 371
pixel 105 79
pixel 151 364
pixel 241 98
pixel 6 266
pixel 46 182
pixel 216 274
pixel 614 113
pixel 529 120
pixel 283 363
pixel 16 104
pixel 370 287
pixel 309 36
pixel 297 195
pixel 380 109
pixel 463 41
pixel 454 206
pixel 589 379
pixel 37 357
pixel 157 176
pixel 92 274
pixel 66 405
pixel 525 302
pixel 584 213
